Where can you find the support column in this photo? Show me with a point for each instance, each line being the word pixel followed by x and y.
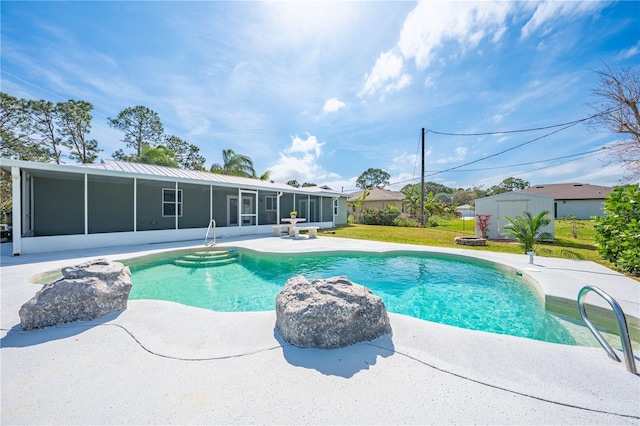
pixel 86 204
pixel 177 205
pixel 135 204
pixel 16 211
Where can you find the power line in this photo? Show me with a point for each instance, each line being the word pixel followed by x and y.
pixel 550 165
pixel 579 155
pixel 508 149
pixel 586 154
pixel 533 129
pixel 563 126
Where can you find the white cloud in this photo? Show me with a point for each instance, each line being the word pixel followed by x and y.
pixel 427 28
pixel 549 13
pixel 630 52
pixel 306 146
pixel 497 118
pixel 341 185
pixel 387 75
pixel 333 105
pixel 299 162
pixel 460 154
pixel 431 24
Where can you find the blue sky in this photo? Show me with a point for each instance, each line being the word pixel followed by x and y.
pixel 321 91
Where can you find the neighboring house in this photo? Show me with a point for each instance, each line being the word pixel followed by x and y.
pixel 65 207
pixel 379 199
pixel 579 199
pixel 512 204
pixel 465 211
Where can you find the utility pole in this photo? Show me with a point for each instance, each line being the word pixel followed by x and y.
pixel 422 184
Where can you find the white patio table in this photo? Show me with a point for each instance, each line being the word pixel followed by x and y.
pixel 293 221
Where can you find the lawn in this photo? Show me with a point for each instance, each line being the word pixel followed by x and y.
pixel 443 235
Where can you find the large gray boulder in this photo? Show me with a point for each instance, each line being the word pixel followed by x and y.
pixel 330 313
pixel 85 292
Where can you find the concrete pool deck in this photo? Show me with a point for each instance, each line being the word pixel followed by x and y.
pixel 161 362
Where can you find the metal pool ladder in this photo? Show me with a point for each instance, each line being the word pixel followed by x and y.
pixel 212 225
pixel 622 327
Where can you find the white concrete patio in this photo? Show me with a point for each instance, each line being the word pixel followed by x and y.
pixel 161 362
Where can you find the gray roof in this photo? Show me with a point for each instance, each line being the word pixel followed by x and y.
pixel 571 191
pixel 378 194
pixel 128 169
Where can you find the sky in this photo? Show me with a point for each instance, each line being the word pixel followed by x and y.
pixel 322 91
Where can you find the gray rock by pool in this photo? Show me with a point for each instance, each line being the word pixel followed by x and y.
pixel 329 313
pixel 85 292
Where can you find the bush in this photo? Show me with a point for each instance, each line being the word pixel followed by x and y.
pixel 406 220
pixel 618 233
pixel 377 217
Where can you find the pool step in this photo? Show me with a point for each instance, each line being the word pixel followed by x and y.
pixel 203 259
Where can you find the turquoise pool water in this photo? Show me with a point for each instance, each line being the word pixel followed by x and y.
pixel 461 293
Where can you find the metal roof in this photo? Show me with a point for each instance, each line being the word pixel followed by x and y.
pixel 153 172
pixel 571 191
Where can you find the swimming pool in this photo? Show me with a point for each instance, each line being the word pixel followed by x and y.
pixel 455 291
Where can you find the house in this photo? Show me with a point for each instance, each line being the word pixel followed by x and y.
pixel 379 198
pixel 512 204
pixel 65 207
pixel 579 199
pixel 465 211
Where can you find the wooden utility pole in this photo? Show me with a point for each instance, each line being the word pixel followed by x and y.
pixel 422 184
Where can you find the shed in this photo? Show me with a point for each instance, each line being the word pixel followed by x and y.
pixel 512 204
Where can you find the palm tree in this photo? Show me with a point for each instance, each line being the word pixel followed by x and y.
pixel 358 203
pixel 237 164
pixel 412 194
pixel 526 230
pixel 265 176
pixel 234 165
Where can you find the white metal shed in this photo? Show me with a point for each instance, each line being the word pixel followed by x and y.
pixel 512 204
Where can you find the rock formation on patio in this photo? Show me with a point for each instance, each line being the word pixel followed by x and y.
pixel 470 241
pixel 330 313
pixel 85 292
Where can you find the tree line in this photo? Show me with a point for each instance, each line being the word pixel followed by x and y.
pixel 378 178
pixel 39 130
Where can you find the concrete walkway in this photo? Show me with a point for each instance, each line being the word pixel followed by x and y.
pixel 165 363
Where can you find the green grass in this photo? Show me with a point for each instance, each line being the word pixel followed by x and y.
pixel 443 235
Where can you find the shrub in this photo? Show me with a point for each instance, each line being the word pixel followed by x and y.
pixel 618 233
pixel 482 222
pixel 406 220
pixel 573 224
pixel 526 229
pixel 377 217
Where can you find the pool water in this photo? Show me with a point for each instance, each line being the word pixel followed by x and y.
pixel 462 293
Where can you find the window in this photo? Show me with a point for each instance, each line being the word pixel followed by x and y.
pixel 270 203
pixel 335 206
pixel 169 202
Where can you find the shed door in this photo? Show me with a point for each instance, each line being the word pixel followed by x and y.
pixel 511 209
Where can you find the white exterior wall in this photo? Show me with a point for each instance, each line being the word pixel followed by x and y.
pixel 512 204
pixel 582 209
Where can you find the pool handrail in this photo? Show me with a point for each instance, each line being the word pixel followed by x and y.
pixel 206 236
pixel 621 322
